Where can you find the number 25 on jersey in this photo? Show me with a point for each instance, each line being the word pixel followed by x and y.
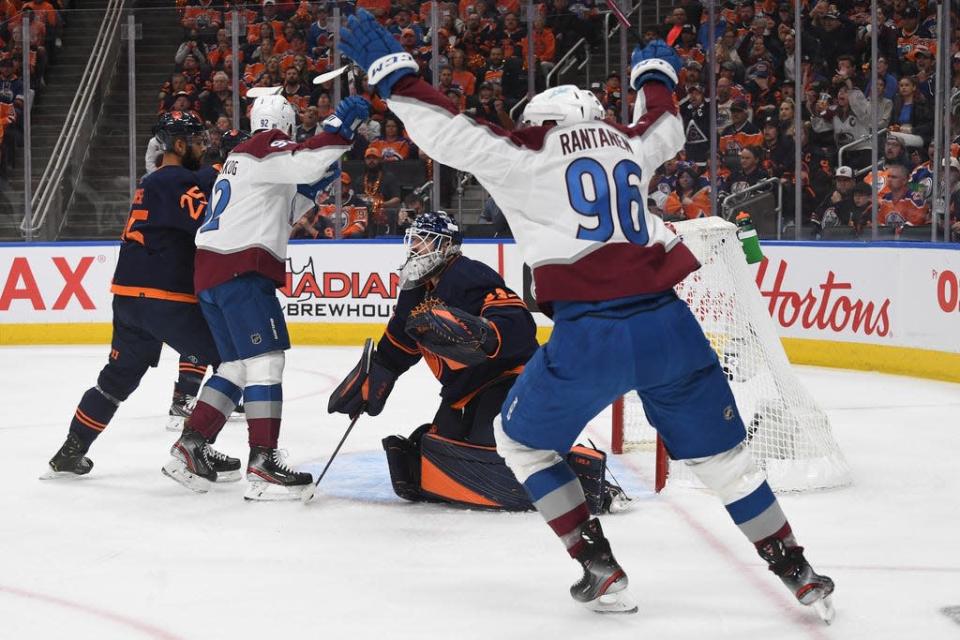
pixel 221 197
pixel 613 204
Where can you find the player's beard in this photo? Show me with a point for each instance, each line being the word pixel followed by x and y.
pixel 191 161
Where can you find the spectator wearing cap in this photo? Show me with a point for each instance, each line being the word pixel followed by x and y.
pixel 393 145
pixel 894 152
pixel 926 71
pixel 777 155
pixel 487 106
pixel 741 133
pixel 690 197
pixel 911 110
pixel 837 209
pixel 687 46
pixel 900 206
pixel 750 171
pixel 401 23
pixel 849 116
pixel 760 85
pixel 836 34
pixel 378 189
pixel 695 111
pixel 912 34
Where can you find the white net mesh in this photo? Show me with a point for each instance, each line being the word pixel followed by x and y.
pixel 787 432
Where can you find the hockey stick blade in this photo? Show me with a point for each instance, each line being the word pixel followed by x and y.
pixel 256 92
pixel 329 75
pixel 366 359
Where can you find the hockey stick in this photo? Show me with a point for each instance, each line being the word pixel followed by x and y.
pixel 329 75
pixel 256 92
pixel 366 359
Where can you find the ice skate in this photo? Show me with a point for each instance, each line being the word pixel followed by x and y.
pixel 792 568
pixel 603 587
pixel 271 479
pixel 180 409
pixel 615 500
pixel 69 461
pixel 227 468
pixel 189 465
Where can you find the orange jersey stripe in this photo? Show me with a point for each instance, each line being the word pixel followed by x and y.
pixel 86 420
pixel 147 292
pixel 400 346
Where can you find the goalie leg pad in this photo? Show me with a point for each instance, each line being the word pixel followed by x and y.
pixel 590 465
pixel 403 460
pixel 469 475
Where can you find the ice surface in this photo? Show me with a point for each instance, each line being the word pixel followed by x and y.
pixel 126 553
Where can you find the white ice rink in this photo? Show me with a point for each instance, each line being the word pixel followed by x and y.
pixel 126 553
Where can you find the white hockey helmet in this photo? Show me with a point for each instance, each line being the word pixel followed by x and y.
pixel 565 105
pixel 273 112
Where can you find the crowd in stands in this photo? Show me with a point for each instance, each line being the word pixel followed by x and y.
pixel 45 28
pixel 756 103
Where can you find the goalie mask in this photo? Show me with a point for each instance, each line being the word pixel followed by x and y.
pixel 430 243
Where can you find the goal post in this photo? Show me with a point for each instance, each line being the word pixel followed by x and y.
pixel 788 434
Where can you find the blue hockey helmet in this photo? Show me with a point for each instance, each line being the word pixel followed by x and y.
pixel 429 244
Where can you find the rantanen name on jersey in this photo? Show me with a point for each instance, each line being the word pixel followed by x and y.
pixel 591 138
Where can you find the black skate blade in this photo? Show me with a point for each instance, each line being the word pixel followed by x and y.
pixel 177 471
pixel 50 474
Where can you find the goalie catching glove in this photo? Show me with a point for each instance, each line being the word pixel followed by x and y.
pixel 453 334
pixel 365 388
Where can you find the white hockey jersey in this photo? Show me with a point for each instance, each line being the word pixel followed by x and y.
pixel 575 196
pixel 254 203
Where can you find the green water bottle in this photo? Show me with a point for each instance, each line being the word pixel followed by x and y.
pixel 748 238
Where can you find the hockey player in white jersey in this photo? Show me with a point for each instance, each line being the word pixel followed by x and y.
pixel 240 261
pixel 573 189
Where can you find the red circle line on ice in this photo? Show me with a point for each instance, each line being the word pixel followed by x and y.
pixel 142 627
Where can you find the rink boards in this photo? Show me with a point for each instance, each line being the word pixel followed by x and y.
pixel 886 306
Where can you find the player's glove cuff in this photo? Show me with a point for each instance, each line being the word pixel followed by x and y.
pixel 386 71
pixel 653 69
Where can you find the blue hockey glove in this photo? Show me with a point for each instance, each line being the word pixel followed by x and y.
pixel 372 47
pixel 311 190
pixel 348 116
pixel 657 61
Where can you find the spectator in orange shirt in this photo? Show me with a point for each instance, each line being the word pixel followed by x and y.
pixel 462 76
pixel 205 17
pixel 690 198
pixel 544 45
pixel 393 145
pixel 901 206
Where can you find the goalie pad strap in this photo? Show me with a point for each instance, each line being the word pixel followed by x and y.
pixel 382 67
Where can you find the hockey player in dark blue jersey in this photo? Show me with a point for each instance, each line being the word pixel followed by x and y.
pixel 476 335
pixel 154 301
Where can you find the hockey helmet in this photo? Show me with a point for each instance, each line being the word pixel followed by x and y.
pixel 565 105
pixel 273 112
pixel 230 139
pixel 178 124
pixel 430 242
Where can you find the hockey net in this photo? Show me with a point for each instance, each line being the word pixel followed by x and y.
pixel 788 434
